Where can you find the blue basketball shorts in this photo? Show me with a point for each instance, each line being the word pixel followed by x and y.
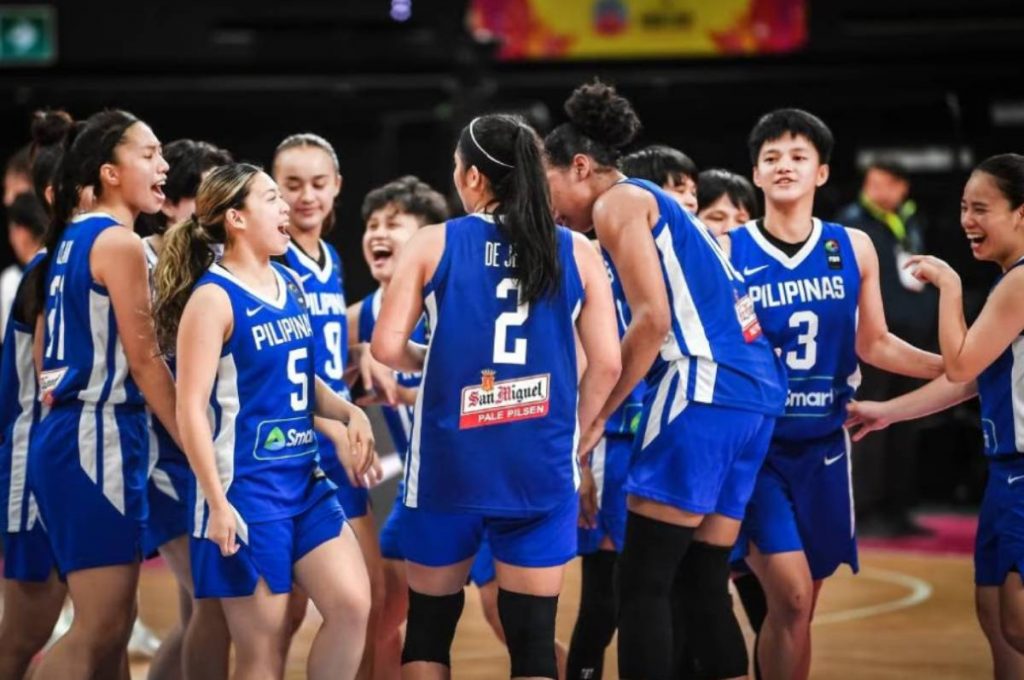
pixel 700 458
pixel 999 546
pixel 803 500
pixel 270 553
pixel 437 539
pixel 609 463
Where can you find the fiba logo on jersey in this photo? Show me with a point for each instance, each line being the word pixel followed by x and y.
pixel 835 260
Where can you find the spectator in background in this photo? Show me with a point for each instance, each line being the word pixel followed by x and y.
pixel 26 223
pixel 884 467
pixel 17 175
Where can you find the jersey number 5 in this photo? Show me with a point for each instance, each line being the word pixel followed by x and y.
pixel 509 319
pixel 300 401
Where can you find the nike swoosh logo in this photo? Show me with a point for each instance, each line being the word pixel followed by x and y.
pixel 304 277
pixel 1011 480
pixel 830 461
pixel 750 271
pixel 253 312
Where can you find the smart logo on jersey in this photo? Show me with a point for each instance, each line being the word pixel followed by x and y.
pixel 835 260
pixel 275 440
pixel 497 402
pixel 285 438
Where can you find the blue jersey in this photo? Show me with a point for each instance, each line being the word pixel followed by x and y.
pixel 261 406
pixel 721 355
pixel 161 446
pixel 496 428
pixel 83 357
pixel 325 298
pixel 1001 389
pixel 19 412
pixel 626 418
pixel 807 306
pixel 398 418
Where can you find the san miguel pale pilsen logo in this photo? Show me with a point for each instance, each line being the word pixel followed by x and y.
pixel 496 402
pixel 487 379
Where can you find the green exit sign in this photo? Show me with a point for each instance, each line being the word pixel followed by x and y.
pixel 28 35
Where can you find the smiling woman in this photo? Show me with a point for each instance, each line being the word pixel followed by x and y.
pixel 241 330
pixel 88 458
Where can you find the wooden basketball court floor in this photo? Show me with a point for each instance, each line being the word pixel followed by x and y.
pixel 903 616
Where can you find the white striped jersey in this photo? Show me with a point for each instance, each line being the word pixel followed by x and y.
pixel 261 406
pixel 19 412
pixel 715 344
pixel 1001 389
pixel 83 357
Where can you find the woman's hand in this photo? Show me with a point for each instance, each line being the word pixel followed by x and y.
pixel 588 499
pixel 932 270
pixel 865 417
pixel 221 528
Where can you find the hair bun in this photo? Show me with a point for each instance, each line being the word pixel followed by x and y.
pixel 600 113
pixel 50 127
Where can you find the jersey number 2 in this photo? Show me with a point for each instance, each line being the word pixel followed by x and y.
pixel 508 319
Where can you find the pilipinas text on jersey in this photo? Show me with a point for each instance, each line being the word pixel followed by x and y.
pixel 325 301
pixel 82 354
pixel 496 428
pixel 807 306
pixel 261 406
pixel 716 344
pixel 1001 390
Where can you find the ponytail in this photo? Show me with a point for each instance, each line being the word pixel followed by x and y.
pixel 87 148
pixel 185 255
pixel 187 249
pixel 507 151
pixel 527 219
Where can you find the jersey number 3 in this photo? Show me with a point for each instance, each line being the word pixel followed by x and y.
pixel 507 320
pixel 806 353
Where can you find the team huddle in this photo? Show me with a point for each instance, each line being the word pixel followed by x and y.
pixel 672 401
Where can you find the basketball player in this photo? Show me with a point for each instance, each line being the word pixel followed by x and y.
pixel 815 288
pixel 100 366
pixel 714 387
pixel 984 359
pixel 265 513
pixel 307 170
pixel 33 592
pixel 198 647
pixel 505 291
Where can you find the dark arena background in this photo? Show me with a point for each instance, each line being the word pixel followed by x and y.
pixel 933 85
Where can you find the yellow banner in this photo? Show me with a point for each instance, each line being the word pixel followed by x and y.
pixel 617 29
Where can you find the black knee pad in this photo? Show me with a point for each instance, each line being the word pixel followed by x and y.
pixel 755 604
pixel 597 619
pixel 714 634
pixel 597 593
pixel 431 627
pixel 529 623
pixel 646 571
